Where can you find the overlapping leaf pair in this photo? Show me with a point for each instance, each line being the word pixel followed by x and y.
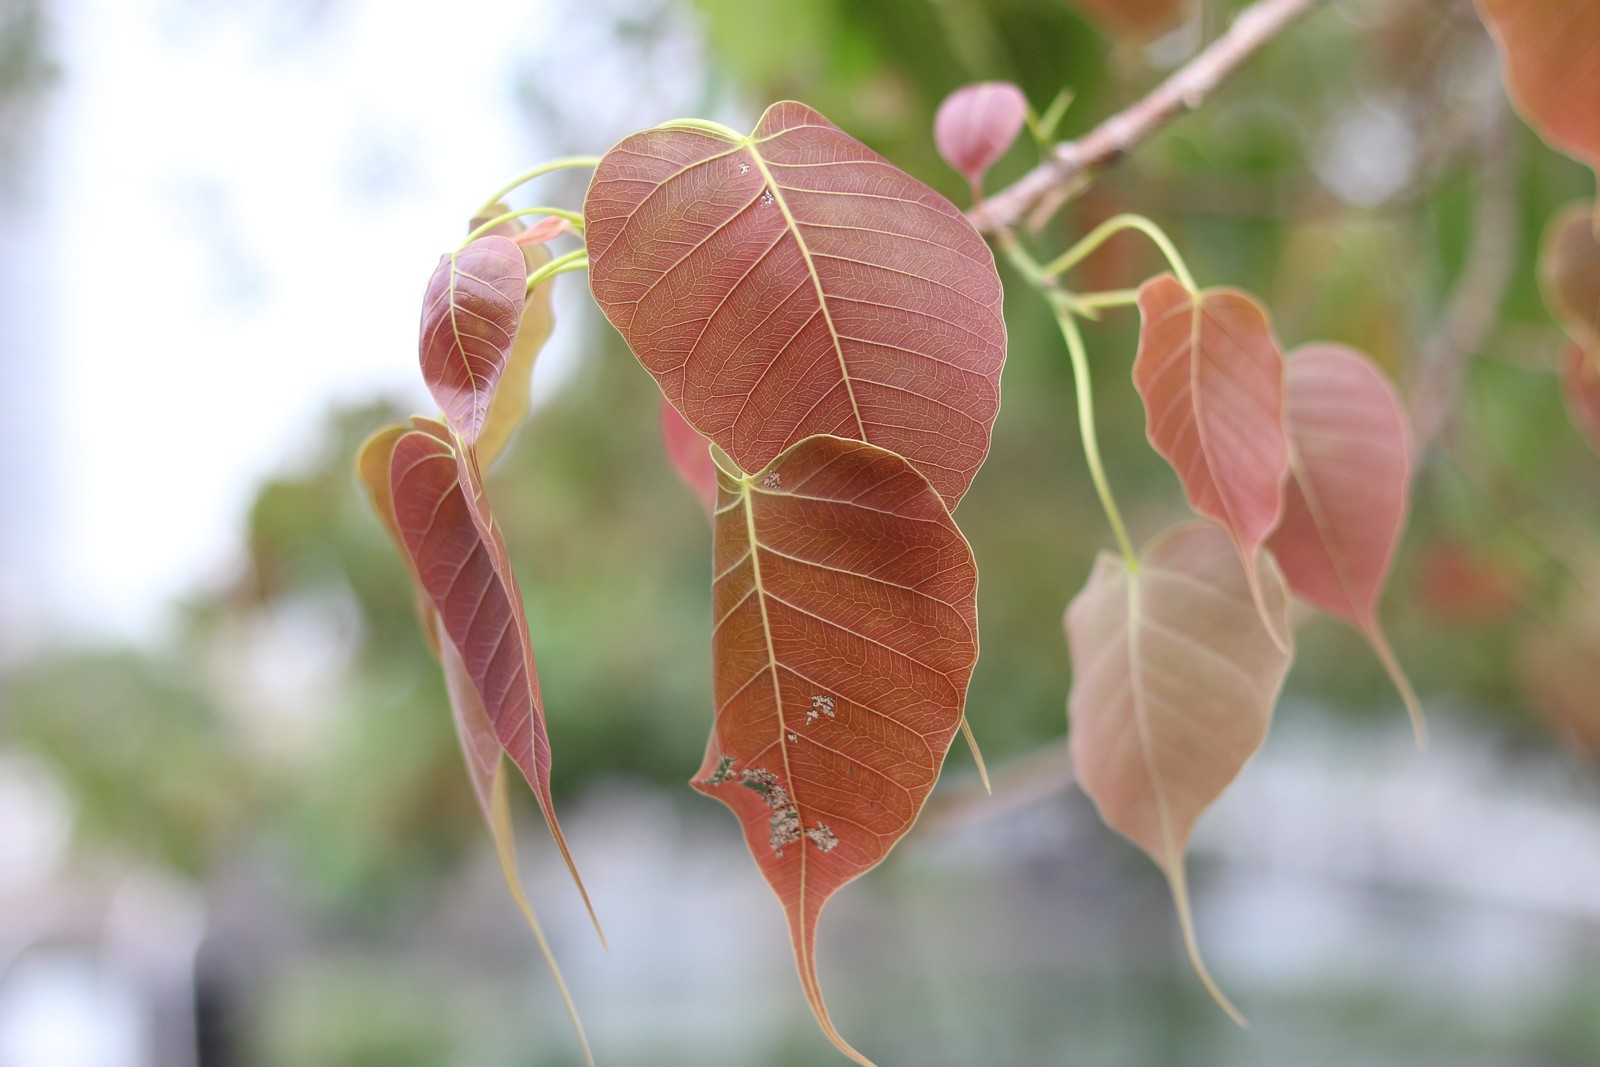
pixel 1303 467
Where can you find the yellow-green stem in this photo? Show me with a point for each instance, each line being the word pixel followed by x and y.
pixel 500 220
pixel 564 163
pixel 1110 228
pixel 577 259
pixel 1091 441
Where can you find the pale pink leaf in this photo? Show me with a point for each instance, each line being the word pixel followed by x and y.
pixel 690 455
pixel 1174 682
pixel 1550 53
pixel 1345 504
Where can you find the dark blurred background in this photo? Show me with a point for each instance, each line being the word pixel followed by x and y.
pixel 234 823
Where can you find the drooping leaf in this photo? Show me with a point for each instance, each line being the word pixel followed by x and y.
pixel 508 405
pixel 794 282
pixel 469 320
pixel 480 745
pixel 690 455
pixel 1348 492
pixel 486 768
pixel 1210 373
pixel 1551 64
pixel 1580 388
pixel 1569 272
pixel 478 604
pixel 976 124
pixel 1174 682
pixel 845 635
pixel 1138 20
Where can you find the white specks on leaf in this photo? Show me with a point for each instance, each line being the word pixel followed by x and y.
pixel 793 737
pixel 823 837
pixel 723 772
pixel 744 168
pixel 784 828
pixel 820 705
pixel 767 198
pixel 772 481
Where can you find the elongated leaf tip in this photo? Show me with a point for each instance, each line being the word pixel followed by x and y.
pixel 1391 665
pixel 977 756
pixel 1252 572
pixel 505 847
pixel 1178 882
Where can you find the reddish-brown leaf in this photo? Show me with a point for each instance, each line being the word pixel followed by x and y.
pixel 794 282
pixel 1210 373
pixel 690 455
pixel 976 124
pixel 477 602
pixel 1569 272
pixel 480 745
pixel 1550 56
pixel 845 635
pixel 1174 682
pixel 1345 505
pixel 469 321
pixel 1139 20
pixel 1580 388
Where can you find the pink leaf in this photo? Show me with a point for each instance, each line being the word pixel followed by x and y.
pixel 976 124
pixel 1210 373
pixel 469 322
pixel 1345 506
pixel 1174 682
pixel 793 282
pixel 690 455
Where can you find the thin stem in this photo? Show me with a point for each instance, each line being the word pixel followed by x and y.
pixel 564 163
pixel 577 259
pixel 1091 442
pixel 1088 305
pixel 500 220
pixel 1110 228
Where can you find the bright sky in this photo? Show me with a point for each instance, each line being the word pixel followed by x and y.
pixel 241 205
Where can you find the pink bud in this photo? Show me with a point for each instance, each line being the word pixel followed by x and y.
pixel 976 124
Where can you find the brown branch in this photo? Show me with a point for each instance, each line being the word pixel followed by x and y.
pixel 1114 138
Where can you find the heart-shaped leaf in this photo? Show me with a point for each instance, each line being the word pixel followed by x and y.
pixel 1569 272
pixel 469 321
pixel 1174 682
pixel 1139 20
pixel 794 282
pixel 1580 388
pixel 1210 373
pixel 976 124
pixel 845 634
pixel 690 455
pixel 1345 505
pixel 477 602
pixel 1551 63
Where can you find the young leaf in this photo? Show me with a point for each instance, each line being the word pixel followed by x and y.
pixel 1580 388
pixel 1211 377
pixel 1174 682
pixel 1551 65
pixel 478 604
pixel 690 455
pixel 1345 505
pixel 480 746
pixel 794 282
pixel 469 319
pixel 1569 273
pixel 1138 20
pixel 976 124
pixel 845 635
